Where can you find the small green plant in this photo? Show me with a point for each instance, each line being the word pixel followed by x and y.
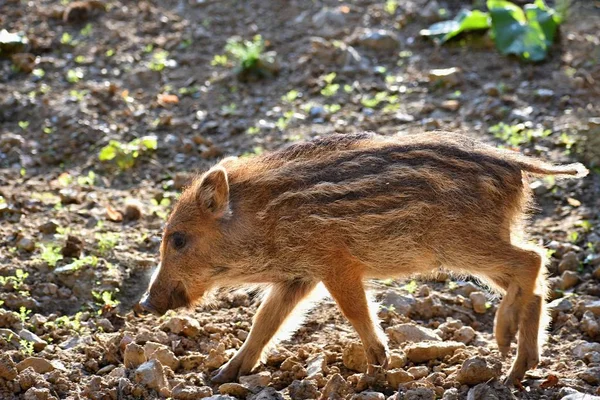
pixel 573 237
pixel 125 154
pixel 379 98
pixel 391 6
pixel 74 75
pixel 452 285
pixel 67 322
pixel 107 241
pixel 285 120
pixel 24 314
pixel 87 30
pixel 517 135
pixel 16 281
pixel 411 287
pixel 249 56
pixel 87 180
pixel 160 60
pixel 67 39
pixel 105 300
pixel 330 88
pixel 24 125
pixel 51 254
pixel 290 96
pixel 586 225
pixel 26 347
pixel 219 60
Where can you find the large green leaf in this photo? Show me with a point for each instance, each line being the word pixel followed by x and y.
pixel 528 33
pixel 465 21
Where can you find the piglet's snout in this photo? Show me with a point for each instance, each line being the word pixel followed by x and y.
pixel 146 305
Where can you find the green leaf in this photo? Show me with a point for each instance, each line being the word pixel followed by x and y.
pixel 465 21
pixel 149 142
pixel 107 153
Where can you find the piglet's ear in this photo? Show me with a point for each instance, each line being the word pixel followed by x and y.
pixel 213 191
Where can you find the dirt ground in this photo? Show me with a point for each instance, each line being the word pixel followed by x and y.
pixel 76 254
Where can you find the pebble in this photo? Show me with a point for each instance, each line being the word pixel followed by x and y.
pixel 411 333
pixel 48 228
pixel 164 355
pixel 489 391
pixel 38 343
pixel 568 262
pixel 465 335
pixel 151 375
pixel 183 392
pixel 336 387
pixel 354 357
pixel 418 372
pixel 430 307
pixel 268 393
pixel 26 244
pixel 426 351
pixel 593 307
pixel 215 358
pixel 559 305
pixel 395 377
pixel 235 390
pixel 466 288
pixel 479 369
pixel 133 210
pixel 491 89
pixel 134 356
pixel 567 393
pixel 367 395
pixel 447 77
pixel 420 394
pixel 303 390
pixel 182 324
pixel 38 394
pixel 590 325
pixel 402 304
pixel 259 380
pixel 39 365
pixel 8 368
pixel 397 359
pixel 329 22
pixel 378 39
pixel 568 279
pixel 582 349
pixel 591 376
pixel 478 301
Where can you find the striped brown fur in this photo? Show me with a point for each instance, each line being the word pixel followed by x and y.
pixel 346 208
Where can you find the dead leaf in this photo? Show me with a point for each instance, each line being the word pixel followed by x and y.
pixel 113 215
pixel 573 202
pixel 166 99
pixel 551 381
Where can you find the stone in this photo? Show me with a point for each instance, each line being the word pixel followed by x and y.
pixel 39 365
pixel 38 394
pixel 10 336
pixel 491 89
pixel 336 388
pixel 235 390
pixel 493 391
pixel 134 356
pixel 448 77
pixel 420 394
pixel 48 228
pixel 182 324
pixel 215 359
pixel 567 393
pixel 303 390
pixel 559 305
pixel 354 357
pixel 26 244
pixel 397 359
pixel 401 304
pixel 183 392
pixel 395 377
pixel 259 380
pixel 38 343
pixel 584 348
pixel 378 39
pixel 568 279
pixel 591 376
pixel 466 288
pixel 590 325
pixel 479 369
pixel 368 395
pixel 329 22
pixel 411 333
pixel 161 353
pixel 268 393
pixel 465 335
pixel 419 372
pixel 426 351
pixel 568 262
pixel 430 307
pixel 151 375
pixel 8 368
pixel 593 307
pixel 478 301
pixel 596 273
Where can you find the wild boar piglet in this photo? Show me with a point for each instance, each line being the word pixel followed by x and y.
pixel 346 208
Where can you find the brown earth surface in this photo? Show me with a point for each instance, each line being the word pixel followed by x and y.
pixel 75 255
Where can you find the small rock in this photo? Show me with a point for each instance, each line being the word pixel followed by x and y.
pixel 367 395
pixel 478 300
pixel 493 391
pixel 215 359
pixel 38 394
pixel 402 304
pixel 420 394
pixel 183 392
pixel 450 105
pixel 336 388
pixel 466 288
pixel 315 365
pixel 589 325
pixel 597 273
pixel 397 359
pixel 268 393
pixel 593 307
pixel 380 40
pixel 151 375
pixel 559 305
pixel 568 262
pixel 235 390
pixel 591 376
pixel 465 334
pixel 426 351
pixel 395 377
pixel 134 356
pixel 568 280
pixel 166 357
pixel 73 247
pixel 479 369
pixel 491 89
pixel 447 77
pixel 411 333
pixel 39 365
pixel 259 380
pixel 69 196
pixel 8 369
pixel 567 393
pixel 329 22
pixel 10 336
pixel 544 94
pixel 26 244
pixel 48 228
pixel 354 357
pixel 430 307
pixel 133 210
pixel 539 187
pixel 582 349
pixel 38 343
pixel 303 390
pixel 182 324
pixel 419 372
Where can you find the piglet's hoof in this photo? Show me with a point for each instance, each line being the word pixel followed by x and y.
pixel 227 373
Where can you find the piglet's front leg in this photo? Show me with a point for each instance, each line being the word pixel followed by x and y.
pixel 272 313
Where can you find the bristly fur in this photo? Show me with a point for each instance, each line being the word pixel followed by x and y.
pixel 346 208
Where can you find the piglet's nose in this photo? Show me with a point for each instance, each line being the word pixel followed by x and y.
pixel 146 305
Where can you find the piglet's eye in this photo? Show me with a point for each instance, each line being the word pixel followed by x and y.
pixel 178 240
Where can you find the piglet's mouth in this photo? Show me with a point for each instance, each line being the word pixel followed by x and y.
pixel 177 298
